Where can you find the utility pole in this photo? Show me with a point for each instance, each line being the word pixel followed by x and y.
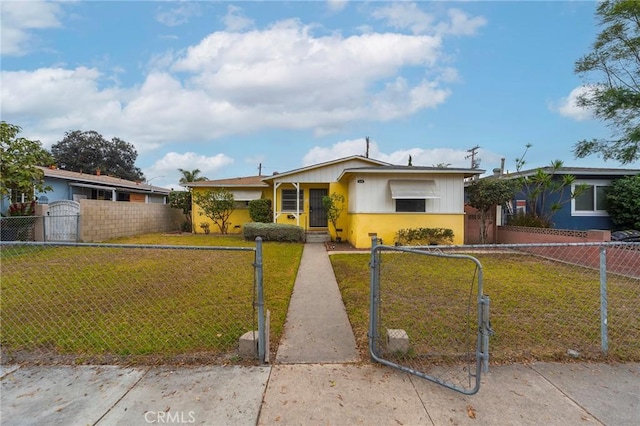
pixel 475 162
pixel 260 169
pixel 367 153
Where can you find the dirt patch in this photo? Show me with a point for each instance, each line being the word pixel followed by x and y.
pixel 342 246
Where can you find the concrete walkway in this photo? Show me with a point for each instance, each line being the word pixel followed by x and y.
pixel 317 328
pixel 316 382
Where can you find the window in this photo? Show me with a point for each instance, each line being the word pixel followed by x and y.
pixel 289 200
pixel 592 201
pixel 411 205
pixel 241 204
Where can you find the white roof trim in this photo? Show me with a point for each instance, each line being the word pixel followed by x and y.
pixel 88 185
pixel 413 189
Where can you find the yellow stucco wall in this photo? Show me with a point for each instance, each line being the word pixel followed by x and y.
pixel 238 217
pixel 385 226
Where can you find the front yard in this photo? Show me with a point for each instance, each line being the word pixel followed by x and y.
pixel 100 304
pixel 540 308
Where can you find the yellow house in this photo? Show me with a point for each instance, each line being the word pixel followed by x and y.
pixel 380 198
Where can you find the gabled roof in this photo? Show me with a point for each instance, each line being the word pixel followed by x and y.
pixel 102 181
pixel 246 181
pixel 325 164
pixel 576 171
pixel 409 170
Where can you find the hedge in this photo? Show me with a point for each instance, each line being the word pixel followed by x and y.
pixel 273 232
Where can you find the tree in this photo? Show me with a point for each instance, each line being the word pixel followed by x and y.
pixel 334 206
pixel 623 198
pixel 20 156
pixel 616 98
pixel 191 176
pixel 217 205
pixel 182 200
pixel 260 210
pixel 542 185
pixel 486 194
pixel 90 152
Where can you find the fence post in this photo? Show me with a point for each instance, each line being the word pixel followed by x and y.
pixel 260 301
pixel 604 332
pixel 374 285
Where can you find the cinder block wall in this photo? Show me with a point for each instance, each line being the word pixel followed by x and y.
pixel 103 220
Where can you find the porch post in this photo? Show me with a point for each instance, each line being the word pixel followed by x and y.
pixel 297 185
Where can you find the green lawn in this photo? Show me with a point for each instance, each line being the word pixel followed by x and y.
pixel 141 304
pixel 539 308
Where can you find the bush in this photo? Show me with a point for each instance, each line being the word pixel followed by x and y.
pixel 260 210
pixel 623 197
pixel 529 220
pixel 273 232
pixel 424 236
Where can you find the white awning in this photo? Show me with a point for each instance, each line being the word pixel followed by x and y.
pixel 246 194
pixel 413 189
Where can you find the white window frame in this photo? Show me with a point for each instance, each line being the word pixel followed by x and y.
pixel 594 184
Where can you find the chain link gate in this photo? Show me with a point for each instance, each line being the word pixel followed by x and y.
pixel 418 322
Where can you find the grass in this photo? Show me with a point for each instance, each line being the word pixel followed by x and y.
pixel 161 304
pixel 539 308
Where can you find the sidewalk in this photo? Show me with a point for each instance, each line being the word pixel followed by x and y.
pixel 317 380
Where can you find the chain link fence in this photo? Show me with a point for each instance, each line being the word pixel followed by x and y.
pixel 20 228
pixel 102 303
pixel 548 302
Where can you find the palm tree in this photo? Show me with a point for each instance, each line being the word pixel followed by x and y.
pixel 191 176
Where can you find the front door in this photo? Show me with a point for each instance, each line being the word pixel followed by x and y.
pixel 317 214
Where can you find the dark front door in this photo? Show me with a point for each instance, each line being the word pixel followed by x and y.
pixel 317 215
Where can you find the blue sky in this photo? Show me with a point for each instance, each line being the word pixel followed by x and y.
pixel 224 86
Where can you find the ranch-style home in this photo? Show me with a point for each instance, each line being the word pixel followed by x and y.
pixel 380 198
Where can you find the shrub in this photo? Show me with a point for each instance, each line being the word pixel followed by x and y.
pixel 205 227
pixel 424 236
pixel 623 197
pixel 273 232
pixel 260 210
pixel 529 220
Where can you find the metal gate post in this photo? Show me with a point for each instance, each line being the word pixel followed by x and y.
pixel 373 296
pixel 485 331
pixel 260 301
pixel 604 331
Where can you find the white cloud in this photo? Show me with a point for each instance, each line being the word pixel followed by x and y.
pixel 234 20
pixel 462 24
pixel 59 99
pixel 568 107
pixel 164 172
pixel 419 156
pixel 19 21
pixel 280 77
pixel 408 16
pixel 336 5
pixel 178 15
pixel 403 15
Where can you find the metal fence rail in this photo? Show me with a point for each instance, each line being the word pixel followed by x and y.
pixel 70 302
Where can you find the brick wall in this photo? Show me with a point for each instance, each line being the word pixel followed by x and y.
pixel 102 220
pixel 526 235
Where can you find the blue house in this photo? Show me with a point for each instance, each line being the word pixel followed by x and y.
pixel 586 211
pixel 67 185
